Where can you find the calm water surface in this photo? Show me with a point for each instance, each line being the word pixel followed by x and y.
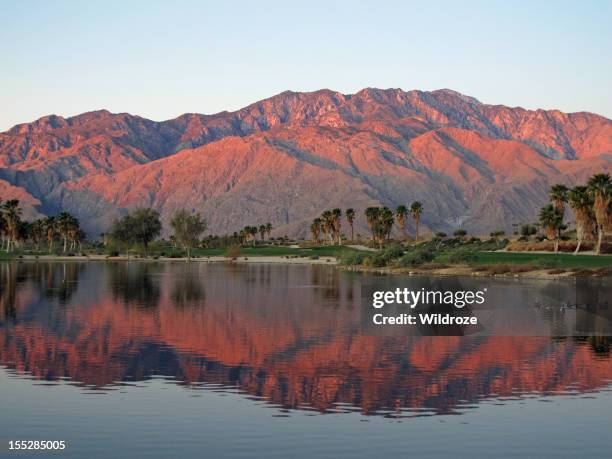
pixel 221 360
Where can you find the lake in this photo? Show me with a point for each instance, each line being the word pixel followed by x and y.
pixel 198 359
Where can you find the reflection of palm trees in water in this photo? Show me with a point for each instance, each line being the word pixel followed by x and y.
pixel 328 279
pixel 61 280
pixel 55 281
pixel 8 288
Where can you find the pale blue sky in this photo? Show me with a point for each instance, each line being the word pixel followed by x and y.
pixel 162 59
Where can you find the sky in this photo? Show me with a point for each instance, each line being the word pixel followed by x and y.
pixel 162 59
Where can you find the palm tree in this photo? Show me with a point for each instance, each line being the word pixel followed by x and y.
pixel 268 229
pixel 581 203
pixel 73 232
pixel 383 225
pixel 262 231
pixel 371 214
pixel 315 230
pixel 63 224
pixel 416 210
pixel 50 229
pixel 11 213
pixel 327 217
pixel 600 189
pixel 336 224
pixel 551 220
pixel 253 232
pixel 558 196
pixel 400 216
pixel 350 218
pixel 37 232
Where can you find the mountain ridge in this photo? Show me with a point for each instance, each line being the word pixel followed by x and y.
pixel 377 146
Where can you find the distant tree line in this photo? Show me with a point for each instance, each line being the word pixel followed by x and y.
pixel 15 231
pixel 142 226
pixel 380 220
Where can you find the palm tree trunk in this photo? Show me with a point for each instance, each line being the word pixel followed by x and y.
pixel 65 243
pixel 556 245
pixel 599 238
pixel 352 236
pixel 578 247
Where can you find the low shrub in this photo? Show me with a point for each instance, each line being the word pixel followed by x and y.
pixel 379 260
pixel 416 258
pixel 349 258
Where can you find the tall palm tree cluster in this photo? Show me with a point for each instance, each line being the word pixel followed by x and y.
pixel 380 220
pixel 329 224
pixel 591 204
pixel 250 232
pixel 16 231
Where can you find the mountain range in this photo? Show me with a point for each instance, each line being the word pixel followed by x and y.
pixel 287 158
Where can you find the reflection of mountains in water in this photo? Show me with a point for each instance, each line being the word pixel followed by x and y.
pixel 254 328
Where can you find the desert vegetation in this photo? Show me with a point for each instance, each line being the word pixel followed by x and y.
pixel 390 243
pixel 41 234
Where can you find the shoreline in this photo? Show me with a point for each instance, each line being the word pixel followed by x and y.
pixel 468 271
pixel 448 271
pixel 274 259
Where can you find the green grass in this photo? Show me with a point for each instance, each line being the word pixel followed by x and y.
pixel 564 260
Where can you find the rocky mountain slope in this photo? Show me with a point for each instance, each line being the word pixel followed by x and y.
pixel 287 158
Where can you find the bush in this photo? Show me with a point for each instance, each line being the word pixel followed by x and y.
pixel 440 235
pixel 460 233
pixel 393 251
pixel 349 258
pixel 416 258
pixel 379 260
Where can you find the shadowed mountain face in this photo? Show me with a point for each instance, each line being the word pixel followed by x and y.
pixel 287 158
pixel 289 334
